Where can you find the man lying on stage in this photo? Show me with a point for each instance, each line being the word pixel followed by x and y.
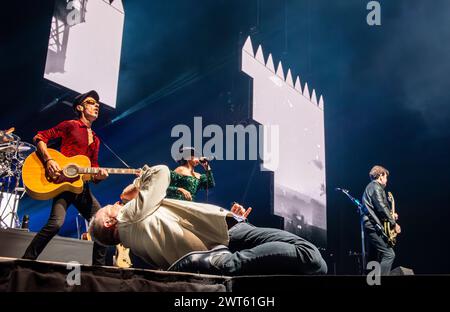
pixel 179 235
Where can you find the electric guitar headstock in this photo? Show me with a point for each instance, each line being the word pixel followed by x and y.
pixel 390 197
pixel 391 200
pixel 86 236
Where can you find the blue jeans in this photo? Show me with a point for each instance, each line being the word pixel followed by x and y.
pixel 257 250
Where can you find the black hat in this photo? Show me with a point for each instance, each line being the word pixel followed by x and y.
pixel 188 151
pixel 185 153
pixel 80 98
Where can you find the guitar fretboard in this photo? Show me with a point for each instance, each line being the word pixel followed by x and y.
pixel 93 170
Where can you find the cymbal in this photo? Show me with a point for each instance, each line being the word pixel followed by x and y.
pixel 7 148
pixel 26 147
pixel 11 147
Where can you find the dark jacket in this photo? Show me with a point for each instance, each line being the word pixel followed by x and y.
pixel 374 199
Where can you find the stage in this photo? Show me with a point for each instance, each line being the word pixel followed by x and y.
pixel 308 114
pixel 18 275
pixel 27 275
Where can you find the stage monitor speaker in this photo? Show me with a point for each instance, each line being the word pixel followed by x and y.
pixel 398 271
pixel 14 242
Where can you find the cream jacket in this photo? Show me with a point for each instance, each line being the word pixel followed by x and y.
pixel 161 230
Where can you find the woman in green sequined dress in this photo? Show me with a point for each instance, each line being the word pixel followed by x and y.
pixel 185 182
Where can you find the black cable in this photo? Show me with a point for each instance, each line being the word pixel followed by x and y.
pixel 117 156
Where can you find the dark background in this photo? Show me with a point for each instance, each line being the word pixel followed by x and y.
pixel 386 92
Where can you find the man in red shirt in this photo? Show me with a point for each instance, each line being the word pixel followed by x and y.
pixel 77 139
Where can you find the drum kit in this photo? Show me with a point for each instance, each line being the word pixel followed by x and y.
pixel 12 156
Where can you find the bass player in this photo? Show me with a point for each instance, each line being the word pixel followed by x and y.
pixel 374 200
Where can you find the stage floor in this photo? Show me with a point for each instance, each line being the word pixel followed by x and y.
pixel 18 275
pixel 27 275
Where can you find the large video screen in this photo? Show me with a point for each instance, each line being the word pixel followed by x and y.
pixel 299 190
pixel 84 46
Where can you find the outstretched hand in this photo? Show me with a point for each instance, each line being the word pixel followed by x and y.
pixel 240 210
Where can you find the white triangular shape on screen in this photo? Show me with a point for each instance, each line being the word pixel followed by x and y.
pixel 298 86
pixel 259 55
pixel 306 92
pixel 314 97
pixel 289 78
pixel 269 63
pixel 321 102
pixel 280 72
pixel 248 47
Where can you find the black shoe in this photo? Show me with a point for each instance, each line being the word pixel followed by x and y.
pixel 200 261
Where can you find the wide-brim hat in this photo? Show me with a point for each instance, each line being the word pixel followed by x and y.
pixel 80 98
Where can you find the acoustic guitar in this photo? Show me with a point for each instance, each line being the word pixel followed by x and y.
pixel 75 171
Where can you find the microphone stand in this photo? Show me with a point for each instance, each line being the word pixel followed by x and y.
pixel 208 172
pixel 360 210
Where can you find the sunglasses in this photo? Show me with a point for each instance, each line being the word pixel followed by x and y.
pixel 90 102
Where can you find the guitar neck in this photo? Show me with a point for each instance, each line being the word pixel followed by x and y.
pixel 95 170
pixel 392 200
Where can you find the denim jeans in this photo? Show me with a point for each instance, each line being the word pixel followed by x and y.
pixel 257 250
pixel 86 204
pixel 378 249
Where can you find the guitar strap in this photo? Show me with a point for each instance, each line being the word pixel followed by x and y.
pixel 372 217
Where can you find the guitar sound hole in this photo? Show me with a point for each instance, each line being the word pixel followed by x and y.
pixel 71 171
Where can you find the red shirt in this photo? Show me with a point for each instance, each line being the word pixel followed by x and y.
pixel 74 137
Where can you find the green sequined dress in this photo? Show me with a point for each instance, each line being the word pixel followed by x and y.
pixel 189 183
